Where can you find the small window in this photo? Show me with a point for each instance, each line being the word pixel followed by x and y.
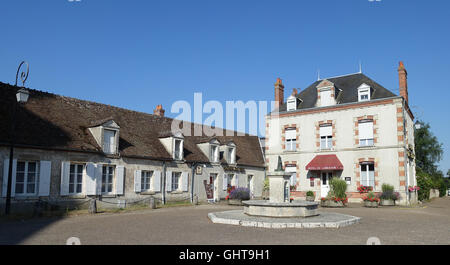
pixel 109 141
pixel 291 139
pixel 326 137
pixel 178 149
pixel 27 174
pixel 146 180
pixel 325 98
pixel 291 103
pixel 363 92
pixel 231 155
pixel 311 182
pixel 214 153
pixel 76 178
pixel 176 177
pixel 107 179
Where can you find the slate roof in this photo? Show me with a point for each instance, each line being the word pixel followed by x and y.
pixel 347 86
pixel 61 123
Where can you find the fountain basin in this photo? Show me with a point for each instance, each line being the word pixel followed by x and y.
pixel 280 209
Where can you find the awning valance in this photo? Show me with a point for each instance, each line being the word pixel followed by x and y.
pixel 325 162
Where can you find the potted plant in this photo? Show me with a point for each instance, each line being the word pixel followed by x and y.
pixel 310 196
pixel 336 196
pixel 388 196
pixel 365 189
pixel 265 193
pixel 238 195
pixel 371 200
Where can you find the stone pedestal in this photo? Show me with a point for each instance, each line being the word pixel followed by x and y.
pixel 279 186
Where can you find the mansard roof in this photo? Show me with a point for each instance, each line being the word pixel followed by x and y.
pixel 346 90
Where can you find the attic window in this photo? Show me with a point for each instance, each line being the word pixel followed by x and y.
pixel 109 141
pixel 363 93
pixel 291 103
pixel 214 155
pixel 178 149
pixel 325 98
pixel 231 155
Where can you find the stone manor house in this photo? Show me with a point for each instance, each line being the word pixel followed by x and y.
pixel 348 127
pixel 68 150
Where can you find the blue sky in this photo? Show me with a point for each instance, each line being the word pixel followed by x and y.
pixel 137 54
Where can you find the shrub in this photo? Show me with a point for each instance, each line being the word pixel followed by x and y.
pixel 364 189
pixel 310 193
pixel 338 187
pixel 240 194
pixel 387 188
pixel 425 183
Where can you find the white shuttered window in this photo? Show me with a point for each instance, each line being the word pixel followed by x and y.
pixel 365 130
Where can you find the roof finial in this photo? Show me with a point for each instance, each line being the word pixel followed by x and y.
pixel 318 74
pixel 360 67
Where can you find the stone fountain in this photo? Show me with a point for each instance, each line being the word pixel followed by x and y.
pixel 279 211
pixel 279 204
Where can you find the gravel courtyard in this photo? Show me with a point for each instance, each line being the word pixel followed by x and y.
pixel 428 224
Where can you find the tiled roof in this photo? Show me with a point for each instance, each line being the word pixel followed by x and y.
pixel 57 122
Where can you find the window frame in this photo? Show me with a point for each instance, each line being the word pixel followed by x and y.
pixel 327 139
pixel 370 178
pixel 365 142
pixel 290 143
pixel 175 185
pixel 25 181
pixel 147 179
pixel 214 153
pixel 110 177
pixel 178 154
pixel 75 183
pixel 112 146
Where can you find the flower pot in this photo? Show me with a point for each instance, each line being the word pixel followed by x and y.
pixel 265 194
pixel 310 198
pixel 332 204
pixel 384 202
pixel 371 204
pixel 235 202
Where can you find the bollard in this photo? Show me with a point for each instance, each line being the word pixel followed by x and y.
pixel 93 206
pixel 152 203
pixel 195 200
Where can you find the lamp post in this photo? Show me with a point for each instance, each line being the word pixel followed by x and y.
pixel 21 98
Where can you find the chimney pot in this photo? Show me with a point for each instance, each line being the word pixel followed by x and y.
pixel 159 111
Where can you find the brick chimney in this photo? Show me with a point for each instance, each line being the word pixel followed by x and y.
pixel 159 111
pixel 279 93
pixel 294 92
pixel 403 81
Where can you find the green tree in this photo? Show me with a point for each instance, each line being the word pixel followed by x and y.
pixel 427 148
pixel 448 173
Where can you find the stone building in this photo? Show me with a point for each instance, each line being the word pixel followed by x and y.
pixel 68 150
pixel 348 127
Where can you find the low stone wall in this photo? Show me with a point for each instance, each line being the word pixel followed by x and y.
pixel 434 193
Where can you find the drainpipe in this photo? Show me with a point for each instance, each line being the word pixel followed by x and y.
pixel 192 182
pixel 163 189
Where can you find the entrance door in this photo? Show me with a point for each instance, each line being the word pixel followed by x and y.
pixel 214 180
pixel 250 185
pixel 325 186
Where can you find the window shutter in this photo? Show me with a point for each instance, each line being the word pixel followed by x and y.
pixel 5 177
pixel 184 181
pixel 325 130
pixel 137 180
pixel 291 134
pixel 91 186
pixel 44 178
pixel 156 181
pixel 293 179
pixel 168 180
pixel 65 171
pixel 365 130
pixel 98 178
pixel 119 179
pixel 225 182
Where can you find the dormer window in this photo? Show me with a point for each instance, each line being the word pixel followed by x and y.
pixel 325 98
pixel 178 149
pixel 291 103
pixel 231 153
pixel 363 93
pixel 109 141
pixel 214 154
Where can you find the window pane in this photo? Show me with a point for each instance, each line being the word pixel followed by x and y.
pixel 79 188
pixel 19 187
pixel 71 178
pixel 20 166
pixel 19 177
pixel 32 167
pixel 30 188
pixel 31 177
pixel 71 186
pixel 80 178
pixel 109 187
pixel 72 169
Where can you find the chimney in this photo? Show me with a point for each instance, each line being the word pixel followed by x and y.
pixel 403 81
pixel 159 111
pixel 294 92
pixel 279 93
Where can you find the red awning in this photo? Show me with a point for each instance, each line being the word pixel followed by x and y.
pixel 325 162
